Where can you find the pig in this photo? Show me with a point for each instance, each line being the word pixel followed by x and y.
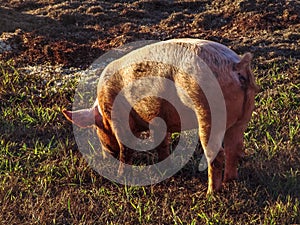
pixel 232 73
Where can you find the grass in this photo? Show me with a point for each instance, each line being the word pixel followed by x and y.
pixel 45 180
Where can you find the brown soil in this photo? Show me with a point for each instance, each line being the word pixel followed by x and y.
pixel 74 33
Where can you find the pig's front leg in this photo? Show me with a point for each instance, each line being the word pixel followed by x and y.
pixel 233 143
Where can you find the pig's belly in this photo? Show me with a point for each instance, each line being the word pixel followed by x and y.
pixel 177 116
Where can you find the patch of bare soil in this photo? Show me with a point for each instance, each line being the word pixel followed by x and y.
pixel 74 33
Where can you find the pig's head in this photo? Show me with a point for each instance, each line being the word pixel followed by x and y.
pixel 91 118
pixel 243 72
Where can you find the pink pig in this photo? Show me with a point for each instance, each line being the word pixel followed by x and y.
pixel 233 75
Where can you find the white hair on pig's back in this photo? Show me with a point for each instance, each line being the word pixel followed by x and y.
pixel 164 52
pixel 216 56
pixel 209 49
pixel 219 58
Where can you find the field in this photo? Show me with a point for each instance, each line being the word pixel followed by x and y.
pixel 44 47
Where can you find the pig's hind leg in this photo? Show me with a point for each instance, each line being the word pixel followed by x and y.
pixel 214 152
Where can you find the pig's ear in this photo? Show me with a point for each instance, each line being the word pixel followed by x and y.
pixel 245 61
pixel 83 118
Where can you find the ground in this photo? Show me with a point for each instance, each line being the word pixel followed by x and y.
pixel 76 32
pixel 44 179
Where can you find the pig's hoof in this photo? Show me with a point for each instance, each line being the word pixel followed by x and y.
pixel 215 187
pixel 212 192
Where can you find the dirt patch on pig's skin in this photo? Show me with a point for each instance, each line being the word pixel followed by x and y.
pixel 76 33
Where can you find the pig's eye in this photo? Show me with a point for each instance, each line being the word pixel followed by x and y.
pixel 243 81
